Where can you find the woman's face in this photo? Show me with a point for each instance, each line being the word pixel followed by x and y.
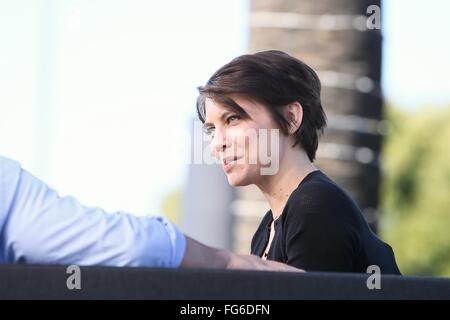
pixel 246 145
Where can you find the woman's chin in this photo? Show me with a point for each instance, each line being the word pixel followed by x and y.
pixel 237 181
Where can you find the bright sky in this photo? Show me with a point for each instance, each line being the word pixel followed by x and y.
pixel 100 106
pixel 416 67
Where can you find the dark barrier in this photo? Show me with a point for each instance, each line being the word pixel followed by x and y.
pixel 50 282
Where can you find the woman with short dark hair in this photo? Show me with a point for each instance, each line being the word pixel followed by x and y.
pixel 270 101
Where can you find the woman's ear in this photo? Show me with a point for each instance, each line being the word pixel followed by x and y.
pixel 294 116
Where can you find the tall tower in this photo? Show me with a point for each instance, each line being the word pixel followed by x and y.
pixel 333 38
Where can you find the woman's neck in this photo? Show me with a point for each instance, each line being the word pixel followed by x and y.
pixel 277 188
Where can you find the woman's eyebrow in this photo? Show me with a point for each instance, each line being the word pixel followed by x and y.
pixel 222 118
pixel 207 125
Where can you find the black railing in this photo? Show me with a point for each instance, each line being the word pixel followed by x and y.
pixel 51 282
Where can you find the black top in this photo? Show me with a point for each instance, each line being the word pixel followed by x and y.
pixel 322 229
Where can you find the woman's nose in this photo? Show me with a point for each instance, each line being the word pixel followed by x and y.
pixel 219 142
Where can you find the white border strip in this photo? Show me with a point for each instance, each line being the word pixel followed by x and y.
pixel 289 20
pixel 349 81
pixel 358 124
pixel 364 155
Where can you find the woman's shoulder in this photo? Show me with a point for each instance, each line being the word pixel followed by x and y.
pixel 319 209
pixel 320 195
pixel 317 186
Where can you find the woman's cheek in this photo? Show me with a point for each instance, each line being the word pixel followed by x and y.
pixel 237 137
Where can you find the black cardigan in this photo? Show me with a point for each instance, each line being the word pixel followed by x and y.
pixel 322 229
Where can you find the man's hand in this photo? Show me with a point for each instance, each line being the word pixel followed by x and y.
pixel 198 255
pixel 252 262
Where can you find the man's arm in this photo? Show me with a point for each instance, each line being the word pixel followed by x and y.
pixel 38 226
pixel 41 227
pixel 198 255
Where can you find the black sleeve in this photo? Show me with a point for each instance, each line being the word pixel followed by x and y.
pixel 318 237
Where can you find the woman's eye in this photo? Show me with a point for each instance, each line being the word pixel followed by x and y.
pixel 209 131
pixel 232 119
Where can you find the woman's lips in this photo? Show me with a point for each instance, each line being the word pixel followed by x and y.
pixel 229 163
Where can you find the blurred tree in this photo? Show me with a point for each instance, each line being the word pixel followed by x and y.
pixel 415 191
pixel 171 206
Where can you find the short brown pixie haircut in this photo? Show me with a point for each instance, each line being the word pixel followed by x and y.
pixel 274 79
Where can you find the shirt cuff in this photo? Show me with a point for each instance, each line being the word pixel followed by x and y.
pixel 177 241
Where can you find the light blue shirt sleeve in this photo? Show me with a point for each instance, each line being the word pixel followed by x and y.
pixel 40 227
